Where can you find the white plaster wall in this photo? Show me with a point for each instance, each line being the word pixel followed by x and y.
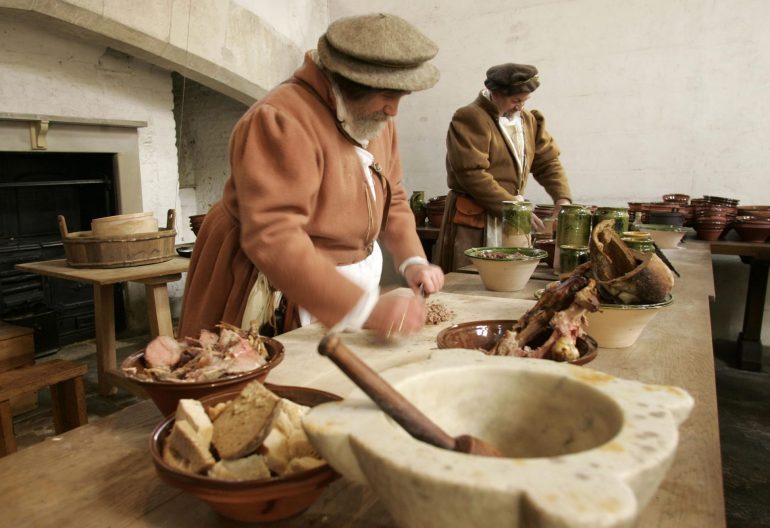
pixel 44 73
pixel 206 119
pixel 301 21
pixel 47 74
pixel 644 97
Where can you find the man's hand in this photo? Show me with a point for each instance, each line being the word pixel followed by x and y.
pixel 429 276
pixel 396 314
pixel 537 225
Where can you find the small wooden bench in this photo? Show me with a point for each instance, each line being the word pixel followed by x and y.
pixel 65 379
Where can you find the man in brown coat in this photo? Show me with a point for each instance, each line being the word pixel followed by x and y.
pixel 493 144
pixel 315 184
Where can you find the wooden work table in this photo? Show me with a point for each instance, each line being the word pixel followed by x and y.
pixel 155 278
pixel 101 474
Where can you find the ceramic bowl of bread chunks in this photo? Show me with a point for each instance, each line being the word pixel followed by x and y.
pixel 505 268
pixel 169 370
pixel 244 453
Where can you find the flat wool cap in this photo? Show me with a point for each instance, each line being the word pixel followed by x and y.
pixel 380 51
pixel 512 78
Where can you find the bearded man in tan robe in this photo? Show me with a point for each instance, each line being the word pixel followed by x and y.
pixel 315 187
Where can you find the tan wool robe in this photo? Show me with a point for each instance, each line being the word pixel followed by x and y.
pixel 295 206
pixel 481 164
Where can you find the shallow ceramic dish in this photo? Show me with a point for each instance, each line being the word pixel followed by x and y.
pixel 581 448
pixel 185 250
pixel 166 394
pixel 483 335
pixel 249 500
pixel 665 236
pixel 620 325
pixel 505 268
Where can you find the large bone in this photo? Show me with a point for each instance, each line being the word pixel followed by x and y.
pixel 626 275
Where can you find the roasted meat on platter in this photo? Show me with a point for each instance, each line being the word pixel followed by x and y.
pixel 552 327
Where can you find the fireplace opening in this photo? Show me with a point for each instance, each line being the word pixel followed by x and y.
pixel 34 189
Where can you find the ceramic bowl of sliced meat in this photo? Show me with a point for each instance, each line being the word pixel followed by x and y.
pixel 169 370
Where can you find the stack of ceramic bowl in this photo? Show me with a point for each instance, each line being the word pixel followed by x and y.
pixel 635 210
pixel 757 211
pixel 546 212
pixel 435 209
pixel 683 201
pixel 543 211
pixel 195 223
pixel 672 218
pixel 712 216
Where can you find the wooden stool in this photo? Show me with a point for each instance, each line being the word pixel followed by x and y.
pixel 65 379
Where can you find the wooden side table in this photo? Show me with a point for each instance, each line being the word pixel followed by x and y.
pixel 757 256
pixel 155 278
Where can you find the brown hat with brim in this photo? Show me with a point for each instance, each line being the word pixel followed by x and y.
pixel 380 51
pixel 512 78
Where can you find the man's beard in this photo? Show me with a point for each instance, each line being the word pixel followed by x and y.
pixel 366 128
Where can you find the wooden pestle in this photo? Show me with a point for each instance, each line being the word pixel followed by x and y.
pixel 395 405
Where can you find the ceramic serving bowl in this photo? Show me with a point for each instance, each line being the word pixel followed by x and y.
pixel 166 394
pixel 249 500
pixel 505 268
pixel 753 230
pixel 581 448
pixel 620 325
pixel 665 236
pixel 483 335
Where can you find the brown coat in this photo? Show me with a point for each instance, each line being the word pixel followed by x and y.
pixel 294 207
pixel 480 163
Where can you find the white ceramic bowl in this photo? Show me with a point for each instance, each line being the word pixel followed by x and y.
pixel 620 325
pixel 665 236
pixel 581 448
pixel 505 268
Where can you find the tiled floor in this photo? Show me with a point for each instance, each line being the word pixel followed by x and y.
pixel 744 416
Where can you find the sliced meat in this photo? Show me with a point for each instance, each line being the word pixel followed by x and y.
pixel 163 351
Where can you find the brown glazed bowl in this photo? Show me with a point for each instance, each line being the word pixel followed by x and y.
pixel 166 394
pixel 710 230
pixel 752 231
pixel 483 335
pixel 249 500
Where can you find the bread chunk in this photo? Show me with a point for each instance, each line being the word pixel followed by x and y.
pixel 303 464
pixel 174 459
pixel 250 468
pixel 275 449
pixel 291 416
pixel 299 445
pixel 190 447
pixel 192 412
pixel 246 421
